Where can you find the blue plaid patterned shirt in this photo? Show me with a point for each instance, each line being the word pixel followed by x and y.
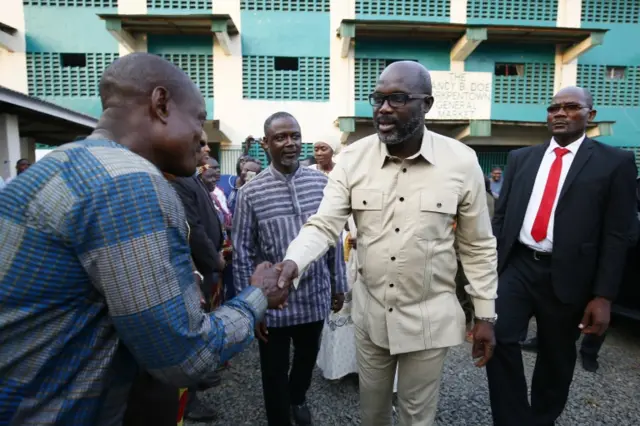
pixel 270 212
pixel 96 279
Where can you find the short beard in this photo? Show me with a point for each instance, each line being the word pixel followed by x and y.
pixel 404 133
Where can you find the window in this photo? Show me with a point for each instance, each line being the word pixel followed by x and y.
pixel 616 73
pixel 522 10
pixel 282 63
pixel 73 60
pixel 509 70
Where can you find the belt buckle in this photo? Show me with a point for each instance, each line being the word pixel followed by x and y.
pixel 536 255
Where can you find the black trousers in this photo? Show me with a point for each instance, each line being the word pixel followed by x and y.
pixel 591 344
pixel 280 387
pixel 525 290
pixel 151 403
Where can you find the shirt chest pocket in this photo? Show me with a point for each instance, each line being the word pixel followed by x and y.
pixel 366 205
pixel 437 212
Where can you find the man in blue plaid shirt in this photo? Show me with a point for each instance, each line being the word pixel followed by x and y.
pixel 96 276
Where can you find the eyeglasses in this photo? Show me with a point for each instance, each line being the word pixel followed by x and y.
pixel 568 108
pixel 395 100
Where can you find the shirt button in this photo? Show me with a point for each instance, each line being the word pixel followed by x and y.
pixel 393 258
pixel 397 229
pixel 439 205
pixel 364 202
pixel 401 198
pixel 404 170
pixel 390 309
pixel 391 285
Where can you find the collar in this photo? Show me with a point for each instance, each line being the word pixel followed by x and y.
pixel 572 147
pixel 426 150
pixel 281 176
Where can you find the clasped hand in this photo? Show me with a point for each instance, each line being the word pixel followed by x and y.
pixel 267 277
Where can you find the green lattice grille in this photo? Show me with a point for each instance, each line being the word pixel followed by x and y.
pixel 624 92
pixel 286 5
pixel 260 79
pixel 535 86
pixel 258 153
pixel 72 3
pixel 178 4
pixel 611 11
pixel 422 8
pixel 198 66
pixel 367 72
pixel 47 76
pixel 489 160
pixel 529 10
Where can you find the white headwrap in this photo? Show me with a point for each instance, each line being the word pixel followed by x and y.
pixel 333 144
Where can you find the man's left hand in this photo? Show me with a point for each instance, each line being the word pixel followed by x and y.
pixel 596 317
pixel 484 341
pixel 337 301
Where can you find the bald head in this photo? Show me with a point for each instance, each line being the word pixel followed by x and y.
pixel 411 74
pixel 152 107
pixel 135 76
pixel 575 92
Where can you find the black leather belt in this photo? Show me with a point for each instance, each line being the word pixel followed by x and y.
pixel 535 254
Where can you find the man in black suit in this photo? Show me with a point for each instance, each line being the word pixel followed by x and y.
pixel 562 223
pixel 205 241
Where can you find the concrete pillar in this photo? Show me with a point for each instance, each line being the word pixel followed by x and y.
pixel 10 146
pixel 133 7
pixel 569 16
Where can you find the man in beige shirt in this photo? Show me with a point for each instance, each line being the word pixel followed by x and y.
pixel 405 186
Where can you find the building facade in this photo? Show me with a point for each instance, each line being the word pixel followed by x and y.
pixel 495 63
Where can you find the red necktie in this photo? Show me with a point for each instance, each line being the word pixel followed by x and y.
pixel 541 224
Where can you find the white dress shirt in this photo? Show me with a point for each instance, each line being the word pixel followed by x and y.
pixel 546 245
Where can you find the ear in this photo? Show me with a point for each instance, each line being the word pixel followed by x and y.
pixel 428 104
pixel 160 103
pixel 592 115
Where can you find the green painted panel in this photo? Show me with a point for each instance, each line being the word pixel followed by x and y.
pixel 261 79
pixel 86 105
pixel 72 3
pixel 522 10
pixel 277 33
pixel 636 153
pixel 606 91
pixel 419 9
pixel 179 4
pixel 67 29
pixel 611 12
pixel 48 77
pixel 286 5
pixel 533 86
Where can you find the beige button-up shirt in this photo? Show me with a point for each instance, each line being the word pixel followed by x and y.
pixel 404 211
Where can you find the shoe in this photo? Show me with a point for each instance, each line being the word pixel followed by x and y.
pixel 196 411
pixel 589 363
pixel 530 345
pixel 301 415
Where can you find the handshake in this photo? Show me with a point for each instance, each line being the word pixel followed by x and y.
pixel 275 281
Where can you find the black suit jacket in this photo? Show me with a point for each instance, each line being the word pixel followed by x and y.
pixel 206 231
pixel 594 218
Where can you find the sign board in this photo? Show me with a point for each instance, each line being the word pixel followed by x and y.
pixel 461 95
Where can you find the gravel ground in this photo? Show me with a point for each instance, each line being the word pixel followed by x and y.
pixel 608 397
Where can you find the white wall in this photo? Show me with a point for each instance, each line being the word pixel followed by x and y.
pixel 242 117
pixel 13 65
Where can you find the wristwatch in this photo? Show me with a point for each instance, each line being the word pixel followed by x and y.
pixel 491 320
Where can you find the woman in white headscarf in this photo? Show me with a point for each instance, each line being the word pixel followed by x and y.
pixel 324 153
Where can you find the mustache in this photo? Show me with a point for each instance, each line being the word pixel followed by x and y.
pixel 386 120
